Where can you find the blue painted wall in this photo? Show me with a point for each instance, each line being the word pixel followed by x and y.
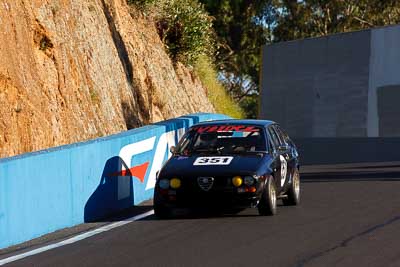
pixel 48 190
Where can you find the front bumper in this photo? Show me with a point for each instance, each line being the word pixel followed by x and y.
pixel 180 199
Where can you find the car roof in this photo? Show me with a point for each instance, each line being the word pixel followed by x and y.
pixel 236 122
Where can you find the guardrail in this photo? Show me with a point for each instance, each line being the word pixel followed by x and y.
pixel 45 191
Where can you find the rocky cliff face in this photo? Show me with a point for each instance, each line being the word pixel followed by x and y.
pixel 72 70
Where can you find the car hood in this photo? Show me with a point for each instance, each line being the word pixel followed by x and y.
pixel 183 166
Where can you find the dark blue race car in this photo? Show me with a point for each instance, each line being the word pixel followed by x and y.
pixel 229 164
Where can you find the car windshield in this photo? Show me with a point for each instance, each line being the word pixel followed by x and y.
pixel 222 139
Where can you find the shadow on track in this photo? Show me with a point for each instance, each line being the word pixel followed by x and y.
pixel 190 215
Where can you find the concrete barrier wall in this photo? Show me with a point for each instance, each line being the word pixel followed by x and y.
pixel 61 187
pixel 314 151
pixel 334 86
pixel 318 87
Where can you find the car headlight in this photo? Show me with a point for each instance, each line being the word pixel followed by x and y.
pixel 248 180
pixel 164 183
pixel 237 181
pixel 175 183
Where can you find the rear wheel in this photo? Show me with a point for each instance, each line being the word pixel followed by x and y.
pixel 267 205
pixel 294 191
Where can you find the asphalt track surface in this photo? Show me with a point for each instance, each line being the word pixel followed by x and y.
pixel 349 216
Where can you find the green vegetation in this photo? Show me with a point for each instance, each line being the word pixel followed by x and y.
pixel 184 26
pixel 186 30
pixel 142 4
pixel 313 18
pixel 217 94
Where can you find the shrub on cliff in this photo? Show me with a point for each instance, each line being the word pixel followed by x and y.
pixel 216 92
pixel 186 30
pixel 184 26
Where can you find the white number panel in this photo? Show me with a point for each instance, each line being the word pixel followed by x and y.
pixel 283 169
pixel 213 161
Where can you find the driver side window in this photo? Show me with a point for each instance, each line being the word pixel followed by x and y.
pixel 279 135
pixel 284 136
pixel 273 138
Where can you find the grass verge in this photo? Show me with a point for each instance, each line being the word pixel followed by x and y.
pixel 216 93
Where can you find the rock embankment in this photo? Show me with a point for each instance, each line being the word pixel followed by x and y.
pixel 75 70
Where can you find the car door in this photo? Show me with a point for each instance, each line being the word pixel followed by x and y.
pixel 276 162
pixel 286 150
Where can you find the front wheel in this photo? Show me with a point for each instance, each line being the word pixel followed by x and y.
pixel 267 205
pixel 293 194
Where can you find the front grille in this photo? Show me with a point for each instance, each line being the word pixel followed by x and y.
pixel 205 183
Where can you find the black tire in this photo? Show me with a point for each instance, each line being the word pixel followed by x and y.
pixel 267 204
pixel 293 193
pixel 161 211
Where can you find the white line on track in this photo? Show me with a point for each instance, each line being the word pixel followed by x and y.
pixel 77 238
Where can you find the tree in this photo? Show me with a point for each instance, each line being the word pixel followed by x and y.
pixel 240 34
pixel 312 18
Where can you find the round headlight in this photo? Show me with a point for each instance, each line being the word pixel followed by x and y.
pixel 248 180
pixel 164 183
pixel 237 181
pixel 175 183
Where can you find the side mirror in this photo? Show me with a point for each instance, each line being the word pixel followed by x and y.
pixel 283 148
pixel 172 149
